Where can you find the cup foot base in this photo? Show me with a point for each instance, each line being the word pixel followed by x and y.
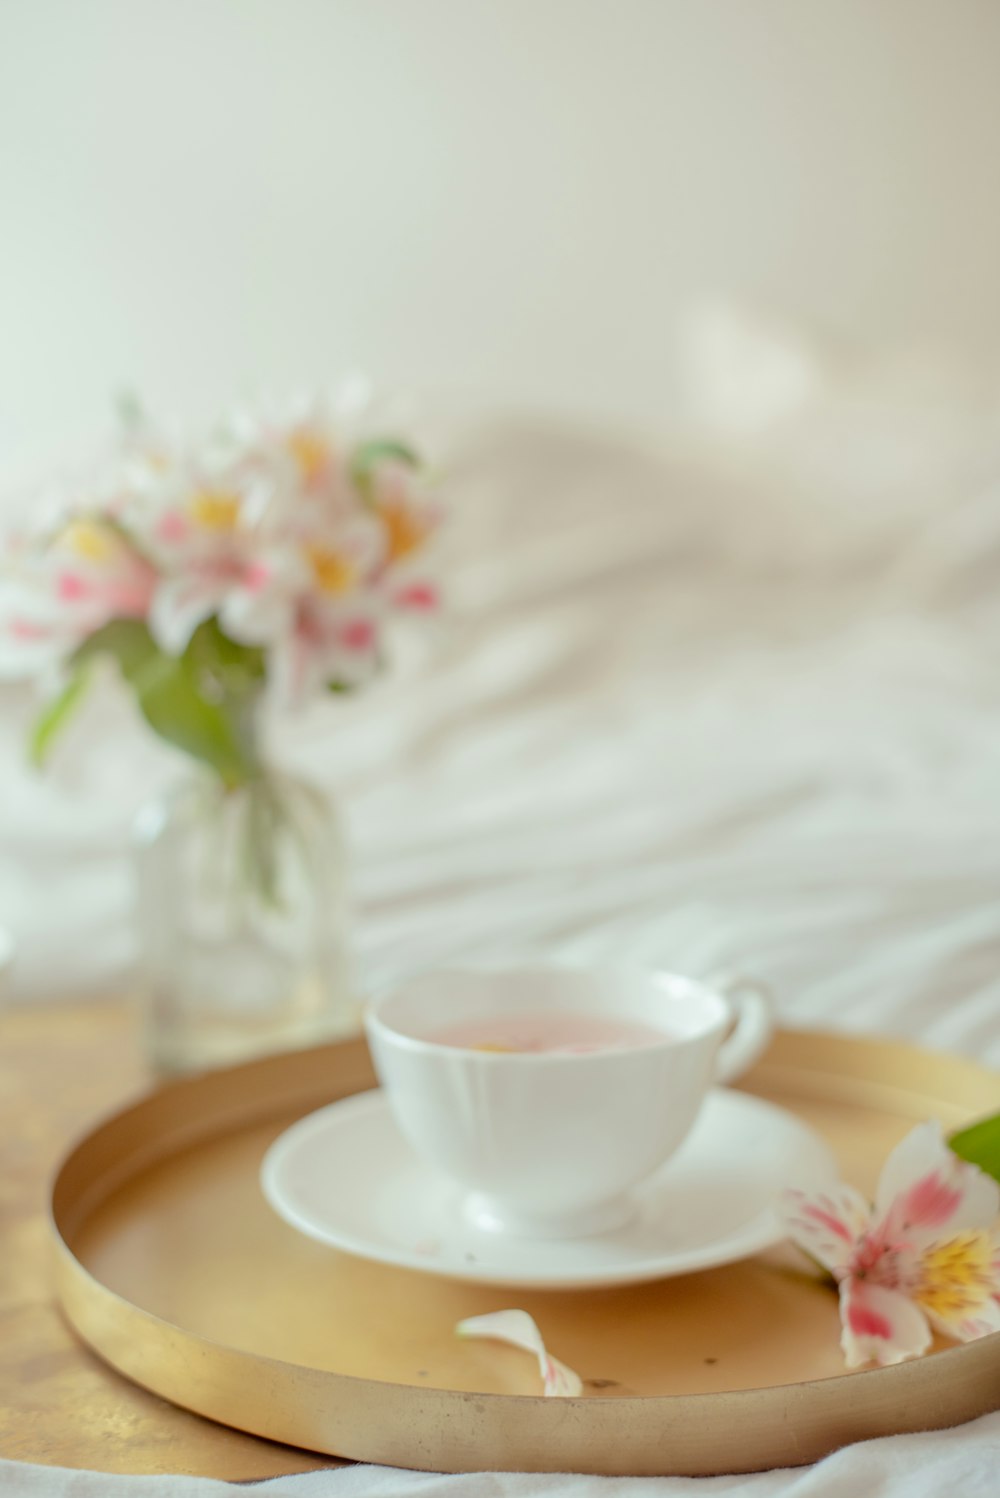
pixel 491 1215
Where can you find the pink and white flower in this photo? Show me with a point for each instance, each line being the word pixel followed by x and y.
pixel 518 1329
pixel 409 520
pixel 270 533
pixel 310 599
pixel 199 520
pixel 305 453
pixel 925 1256
pixel 63 586
pixel 300 535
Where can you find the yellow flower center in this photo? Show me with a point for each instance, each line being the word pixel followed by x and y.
pixel 214 509
pixel 312 453
pixel 404 529
pixel 334 573
pixel 89 540
pixel 956 1276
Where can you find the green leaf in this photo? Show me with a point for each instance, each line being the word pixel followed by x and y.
pixel 384 449
pixel 980 1145
pixel 53 717
pixel 369 455
pixel 225 667
pixel 127 641
pixel 168 691
pixel 172 705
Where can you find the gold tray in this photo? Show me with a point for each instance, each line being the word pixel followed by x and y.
pixel 172 1267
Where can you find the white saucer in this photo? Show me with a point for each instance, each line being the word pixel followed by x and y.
pixel 346 1176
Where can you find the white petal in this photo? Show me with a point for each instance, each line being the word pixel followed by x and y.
pixel 255 618
pixel 21 658
pixel 262 605
pixel 36 629
pixel 826 1223
pixel 926 1191
pixel 179 605
pixel 980 1322
pixel 519 1330
pixel 880 1326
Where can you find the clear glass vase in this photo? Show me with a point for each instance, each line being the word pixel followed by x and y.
pixel 243 921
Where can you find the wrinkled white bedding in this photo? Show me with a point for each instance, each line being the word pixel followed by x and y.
pixel 703 709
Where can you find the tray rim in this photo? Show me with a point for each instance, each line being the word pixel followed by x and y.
pixel 619 1436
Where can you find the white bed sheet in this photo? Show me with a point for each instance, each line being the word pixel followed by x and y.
pixel 684 713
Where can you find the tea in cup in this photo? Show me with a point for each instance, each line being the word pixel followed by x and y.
pixel 549 1093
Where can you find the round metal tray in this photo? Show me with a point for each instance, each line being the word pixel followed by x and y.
pixel 172 1267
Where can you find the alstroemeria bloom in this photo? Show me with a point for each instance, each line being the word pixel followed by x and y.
pixel 305 451
pixel 927 1255
pixel 297 536
pixel 202 526
pixel 63 587
pixel 518 1329
pixel 409 520
pixel 310 601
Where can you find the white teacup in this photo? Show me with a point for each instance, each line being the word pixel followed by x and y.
pixel 547 1143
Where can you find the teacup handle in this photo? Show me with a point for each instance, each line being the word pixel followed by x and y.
pixel 753 1009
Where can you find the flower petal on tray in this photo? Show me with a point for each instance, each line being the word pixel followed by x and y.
pixel 880 1326
pixel 518 1329
pixel 929 1193
pixel 925 1254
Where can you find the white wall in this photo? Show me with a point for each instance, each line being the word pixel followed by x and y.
pixel 512 200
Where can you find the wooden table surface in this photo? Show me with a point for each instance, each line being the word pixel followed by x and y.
pixel 60 1068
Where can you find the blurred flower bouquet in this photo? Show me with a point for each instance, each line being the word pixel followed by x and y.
pixel 274 556
pixel 274 552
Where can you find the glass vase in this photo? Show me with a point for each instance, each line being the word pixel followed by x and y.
pixel 242 910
